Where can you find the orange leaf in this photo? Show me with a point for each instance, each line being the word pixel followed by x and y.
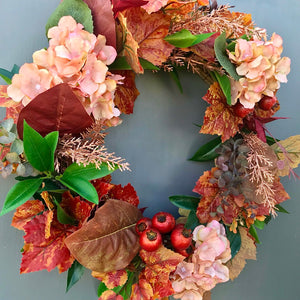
pixel 141 291
pixel 130 46
pixel 46 253
pixel 112 279
pixel 219 117
pixel 149 34
pixel 126 193
pixel 126 93
pixel 159 265
pixel 110 295
pixel 247 251
pixel 26 212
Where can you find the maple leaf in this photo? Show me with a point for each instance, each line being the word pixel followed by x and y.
pixel 150 34
pixel 126 193
pixel 141 290
pixel 112 279
pixel 159 265
pixel 110 295
pixel 26 212
pixel 102 187
pixel 44 246
pixel 247 251
pixel 126 94
pixel 219 117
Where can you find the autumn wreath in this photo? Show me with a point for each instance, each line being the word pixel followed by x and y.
pixel 52 138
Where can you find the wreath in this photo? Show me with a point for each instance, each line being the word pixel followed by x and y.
pixel 53 138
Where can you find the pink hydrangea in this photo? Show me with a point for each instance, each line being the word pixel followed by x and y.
pixel 261 67
pixel 206 265
pixel 76 57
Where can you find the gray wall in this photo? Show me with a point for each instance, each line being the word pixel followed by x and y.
pixel 157 140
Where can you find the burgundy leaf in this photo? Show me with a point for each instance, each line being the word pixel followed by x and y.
pixel 120 5
pixel 56 109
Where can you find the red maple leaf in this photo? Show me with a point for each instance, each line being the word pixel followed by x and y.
pixel 112 279
pixel 219 117
pixel 159 265
pixel 126 193
pixel 141 290
pixel 110 295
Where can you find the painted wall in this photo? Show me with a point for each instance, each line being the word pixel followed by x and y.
pixel 157 141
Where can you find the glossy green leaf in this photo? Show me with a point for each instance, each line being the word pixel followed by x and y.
pixel 267 219
pixel 222 57
pixel 279 208
pixel 8 75
pixel 207 151
pixel 82 187
pixel 192 220
pixel 101 288
pixel 174 75
pixel 121 63
pixel 253 232
pixel 21 178
pixel 75 8
pixel 88 172
pixel 225 85
pixel 125 290
pixel 74 274
pixel 184 38
pixel 52 140
pixel 20 193
pixel 185 202
pixel 51 185
pixel 235 241
pixel 36 149
pixel 62 216
pixel 259 224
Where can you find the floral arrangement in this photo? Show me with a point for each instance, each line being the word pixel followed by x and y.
pixel 74 218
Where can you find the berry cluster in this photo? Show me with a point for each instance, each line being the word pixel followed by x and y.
pixel 162 229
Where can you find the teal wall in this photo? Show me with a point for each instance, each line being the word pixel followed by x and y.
pixel 156 141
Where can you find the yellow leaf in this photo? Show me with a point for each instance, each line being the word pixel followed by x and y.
pixel 247 251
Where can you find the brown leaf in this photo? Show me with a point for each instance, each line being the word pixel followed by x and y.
pixel 247 251
pixel 150 34
pixel 103 18
pixel 107 242
pixel 207 295
pixel 56 109
pixel 126 93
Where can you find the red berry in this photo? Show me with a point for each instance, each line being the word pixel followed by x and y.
pixel 182 252
pixel 181 237
pixel 163 222
pixel 150 239
pixel 241 111
pixel 142 225
pixel 266 103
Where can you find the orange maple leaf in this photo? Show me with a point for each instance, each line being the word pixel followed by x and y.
pixel 141 291
pixel 112 279
pixel 219 117
pixel 126 93
pixel 110 295
pixel 150 34
pixel 159 265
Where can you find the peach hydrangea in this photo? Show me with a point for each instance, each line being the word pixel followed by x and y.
pixel 261 67
pixel 76 57
pixel 205 267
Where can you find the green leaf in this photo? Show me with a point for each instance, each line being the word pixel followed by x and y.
pixel 101 288
pixel 267 219
pixel 20 193
pixel 36 149
pixel 225 85
pixel 253 232
pixel 279 208
pixel 259 224
pixel 75 8
pixel 8 75
pixel 74 274
pixel 184 38
pixel 22 178
pixel 121 63
pixel 185 202
pixel 220 50
pixel 207 151
pixel 52 140
pixel 88 172
pixel 82 187
pixel 51 185
pixel 192 221
pixel 174 75
pixel 62 216
pixel 17 146
pixel 235 241
pixel 125 290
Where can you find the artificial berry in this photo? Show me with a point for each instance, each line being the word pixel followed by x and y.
pixel 164 222
pixel 150 239
pixel 266 103
pixel 142 225
pixel 241 111
pixel 181 237
pixel 182 252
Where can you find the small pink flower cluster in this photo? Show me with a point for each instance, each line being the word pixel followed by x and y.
pixel 261 68
pixel 206 265
pixel 76 57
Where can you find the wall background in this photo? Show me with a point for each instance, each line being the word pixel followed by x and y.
pixel 157 141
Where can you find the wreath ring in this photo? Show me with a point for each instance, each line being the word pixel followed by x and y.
pixel 62 208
